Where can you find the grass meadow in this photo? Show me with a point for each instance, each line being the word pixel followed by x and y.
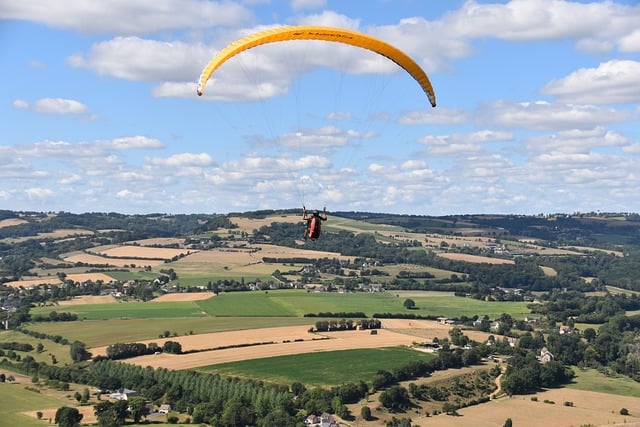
pixel 15 399
pixel 321 369
pixel 59 351
pixel 96 333
pixel 127 310
pixel 300 302
pixel 592 380
pixel 103 324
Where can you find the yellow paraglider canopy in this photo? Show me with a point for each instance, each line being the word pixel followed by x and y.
pixel 331 34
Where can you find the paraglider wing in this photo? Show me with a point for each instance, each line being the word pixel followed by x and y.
pixel 331 34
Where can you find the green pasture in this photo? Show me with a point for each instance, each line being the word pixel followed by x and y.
pixel 394 270
pixel 15 399
pixel 61 352
pixel 123 276
pixel 329 368
pixel 300 302
pixel 337 223
pixel 127 310
pixel 197 273
pixel 96 333
pixel 592 380
pixel 104 324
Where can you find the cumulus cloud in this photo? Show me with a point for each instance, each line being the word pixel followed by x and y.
pixel 576 141
pixel 20 104
pixel 59 106
pixel 183 159
pixel 308 4
pixel 39 193
pixel 138 59
pixel 460 144
pixel 543 115
pixel 615 81
pixel 440 115
pixel 127 17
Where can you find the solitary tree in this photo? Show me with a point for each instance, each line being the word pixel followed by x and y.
pixel 365 413
pixel 409 303
pixel 68 417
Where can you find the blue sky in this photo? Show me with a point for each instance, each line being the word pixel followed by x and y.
pixel 538 107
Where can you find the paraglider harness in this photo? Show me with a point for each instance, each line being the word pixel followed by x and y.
pixel 312 230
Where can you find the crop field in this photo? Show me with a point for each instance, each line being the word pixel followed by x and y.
pixel 9 222
pixel 589 409
pixel 129 310
pixel 79 277
pixel 296 303
pixel 355 365
pixel 16 399
pixel 50 349
pixel 474 258
pixel 394 270
pixel 219 264
pixel 145 252
pixel 310 343
pixel 591 379
pixel 299 302
pixel 116 262
pixel 97 333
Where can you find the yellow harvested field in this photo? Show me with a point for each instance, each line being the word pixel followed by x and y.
pixel 159 241
pixel 250 224
pixel 474 258
pixel 11 221
pixel 88 414
pixel 336 341
pixel 589 408
pixel 89 299
pixel 116 262
pixel 54 280
pixel 233 258
pixel 143 252
pixel 395 332
pixel 427 330
pixel 284 252
pixel 184 296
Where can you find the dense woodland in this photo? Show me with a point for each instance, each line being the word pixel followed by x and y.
pixel 610 342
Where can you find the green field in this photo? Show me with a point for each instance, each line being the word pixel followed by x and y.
pixel 105 324
pixel 127 310
pixel 592 380
pixel 59 351
pixel 15 398
pixel 95 333
pixel 321 369
pixel 299 302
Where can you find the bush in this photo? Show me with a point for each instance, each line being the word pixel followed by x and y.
pixel 624 411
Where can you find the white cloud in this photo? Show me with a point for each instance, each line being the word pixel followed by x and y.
pixel 39 193
pixel 542 115
pixel 308 4
pixel 20 104
pixel 133 142
pixel 630 42
pixel 576 141
pixel 615 81
pixel 460 143
pixel 127 17
pixel 137 59
pixel 59 106
pixel 129 195
pixel 183 159
pixel 440 115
